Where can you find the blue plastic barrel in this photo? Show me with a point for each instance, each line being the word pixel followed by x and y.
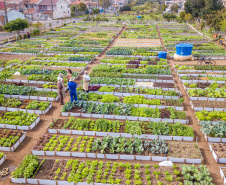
pixel 139 17
pixel 184 49
pixel 162 54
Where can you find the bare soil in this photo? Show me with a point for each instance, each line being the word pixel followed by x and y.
pixel 211 104
pixel 12 57
pixel 219 149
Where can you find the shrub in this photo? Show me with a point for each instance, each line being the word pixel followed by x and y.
pixel 36 31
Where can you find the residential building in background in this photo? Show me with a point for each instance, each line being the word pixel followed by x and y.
pixel 45 9
pixel 12 13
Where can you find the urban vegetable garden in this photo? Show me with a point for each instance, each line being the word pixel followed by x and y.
pixel 145 120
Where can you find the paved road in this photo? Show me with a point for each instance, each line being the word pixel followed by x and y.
pixel 46 26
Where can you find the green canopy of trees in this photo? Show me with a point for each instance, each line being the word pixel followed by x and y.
pixel 16 25
pixel 125 8
pixel 82 7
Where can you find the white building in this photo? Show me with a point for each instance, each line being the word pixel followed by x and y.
pixel 45 9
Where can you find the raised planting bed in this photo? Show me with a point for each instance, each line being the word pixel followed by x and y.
pixel 10 140
pixel 118 148
pixel 137 100
pixel 2 158
pixel 214 85
pixel 223 173
pixel 218 151
pixel 67 172
pixel 47 86
pixel 64 58
pixel 128 129
pixel 29 106
pixel 198 105
pixel 201 68
pixel 214 132
pixel 136 77
pixel 51 63
pixel 19 120
pixel 207 94
pixel 133 62
pixel 27 92
pixel 123 112
pixel 214 116
pixel 204 77
pixel 154 93
pixel 220 80
pixel 36 73
pixel 128 81
pixel 149 85
pixel 134 69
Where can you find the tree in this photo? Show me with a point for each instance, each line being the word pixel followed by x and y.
pixel 82 7
pixel 223 21
pixel 175 8
pixel 16 25
pixel 73 8
pixel 125 8
pixel 96 11
pixel 194 7
pixel 182 15
pixel 169 16
pixel 188 17
pixel 163 7
pixel 214 20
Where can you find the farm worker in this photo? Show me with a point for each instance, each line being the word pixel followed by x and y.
pixel 60 76
pixel 69 74
pixel 72 89
pixel 60 88
pixel 28 35
pixel 86 80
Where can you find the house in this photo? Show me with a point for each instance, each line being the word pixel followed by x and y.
pixel 12 15
pixel 45 9
pixel 58 8
pixel 89 4
pixel 224 2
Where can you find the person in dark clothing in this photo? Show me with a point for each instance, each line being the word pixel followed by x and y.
pixel 60 89
pixel 69 75
pixel 72 89
pixel 28 35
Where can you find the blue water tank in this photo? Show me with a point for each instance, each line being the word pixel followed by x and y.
pixel 184 49
pixel 162 54
pixel 139 17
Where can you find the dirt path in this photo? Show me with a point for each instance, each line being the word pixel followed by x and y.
pixel 14 158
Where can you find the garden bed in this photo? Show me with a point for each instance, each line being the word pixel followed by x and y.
pixel 50 171
pixel 128 129
pixel 21 121
pixel 104 148
pixel 10 140
pixel 218 151
pixel 38 86
pixel 2 158
pixel 28 106
pixel 214 132
pixel 223 173
pixel 198 105
pixel 123 112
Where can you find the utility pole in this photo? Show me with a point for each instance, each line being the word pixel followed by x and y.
pixel 6 16
pixel 52 7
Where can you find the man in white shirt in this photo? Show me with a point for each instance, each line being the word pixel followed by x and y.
pixel 86 80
